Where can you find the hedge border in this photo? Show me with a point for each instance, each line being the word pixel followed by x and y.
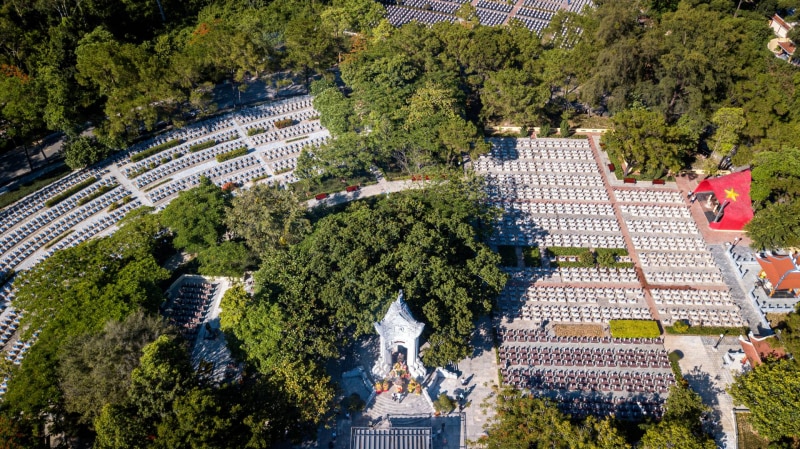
pixel 156 149
pixel 202 146
pixel 233 154
pixel 70 191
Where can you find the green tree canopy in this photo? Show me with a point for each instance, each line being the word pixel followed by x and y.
pixel 196 216
pixel 770 391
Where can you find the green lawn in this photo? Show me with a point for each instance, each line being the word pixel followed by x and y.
pixel 27 188
pixel 747 436
pixel 634 328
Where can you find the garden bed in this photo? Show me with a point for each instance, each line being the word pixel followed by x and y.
pixel 706 330
pixel 156 149
pixel 578 330
pixel 747 436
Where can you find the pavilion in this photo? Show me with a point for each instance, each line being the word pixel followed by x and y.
pixel 727 201
pixel 779 273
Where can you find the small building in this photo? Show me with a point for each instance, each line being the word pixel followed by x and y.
pixel 779 273
pixel 391 438
pixel 779 26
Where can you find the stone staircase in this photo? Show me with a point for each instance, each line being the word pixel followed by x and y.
pixel 383 405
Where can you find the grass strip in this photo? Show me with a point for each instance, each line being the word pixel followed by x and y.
pixel 634 328
pixel 156 149
pixel 69 192
pixel 706 330
pixel 159 184
pixel 202 146
pixel 18 192
pixel 58 239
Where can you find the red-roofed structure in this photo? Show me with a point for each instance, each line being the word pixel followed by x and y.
pixel 781 272
pixel 779 26
pixel 732 193
pixel 757 349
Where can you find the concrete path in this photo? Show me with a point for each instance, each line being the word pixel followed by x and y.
pixel 702 366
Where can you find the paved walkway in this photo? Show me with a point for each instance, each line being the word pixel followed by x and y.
pixel 703 368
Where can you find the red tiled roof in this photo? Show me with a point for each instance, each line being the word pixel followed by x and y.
pixel 788 47
pixel 756 349
pixel 782 23
pixel 781 271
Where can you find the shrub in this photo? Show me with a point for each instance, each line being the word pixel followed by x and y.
pixel 353 403
pixel 606 259
pixel 443 404
pixel 156 149
pixel 544 130
pixel 532 255
pixel 586 258
pixel 564 128
pixel 285 123
pixel 634 328
pixel 69 192
pixel 202 146
pixel 508 255
pixel 222 157
pixel 565 250
pixel 523 131
pixel 680 327
pixel 254 131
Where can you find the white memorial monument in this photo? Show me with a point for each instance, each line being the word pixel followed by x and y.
pixel 399 328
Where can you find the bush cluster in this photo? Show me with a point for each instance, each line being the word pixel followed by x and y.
pixel 285 123
pixel 634 328
pixel 156 149
pixel 202 146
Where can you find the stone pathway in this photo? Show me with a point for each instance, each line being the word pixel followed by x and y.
pixel 702 367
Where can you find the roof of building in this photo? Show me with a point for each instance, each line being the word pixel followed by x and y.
pixel 787 46
pixel 733 192
pixel 758 348
pixel 781 271
pixel 392 438
pixel 782 23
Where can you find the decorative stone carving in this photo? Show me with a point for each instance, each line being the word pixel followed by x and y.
pixel 398 327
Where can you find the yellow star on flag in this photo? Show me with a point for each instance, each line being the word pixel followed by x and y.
pixel 731 194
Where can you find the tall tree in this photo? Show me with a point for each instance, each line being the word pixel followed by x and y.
pixel 196 216
pixel 770 391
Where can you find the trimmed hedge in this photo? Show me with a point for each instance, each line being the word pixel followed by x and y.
pixel 508 255
pixel 202 146
pixel 94 195
pixel 565 250
pixel 156 149
pixel 532 256
pixel 707 330
pixel 634 328
pixel 222 157
pixel 254 131
pixel 58 239
pixel 285 123
pixel 69 192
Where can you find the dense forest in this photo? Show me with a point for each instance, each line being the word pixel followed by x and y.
pixel 681 80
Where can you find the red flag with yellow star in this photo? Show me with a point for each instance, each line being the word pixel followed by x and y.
pixel 733 192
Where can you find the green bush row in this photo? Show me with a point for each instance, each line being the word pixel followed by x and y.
pixel 241 151
pixel 684 329
pixel 94 195
pixel 254 131
pixel 634 328
pixel 69 192
pixel 156 149
pixel 202 146
pixel 285 123
pixel 565 250
pixel 532 256
pixel 58 239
